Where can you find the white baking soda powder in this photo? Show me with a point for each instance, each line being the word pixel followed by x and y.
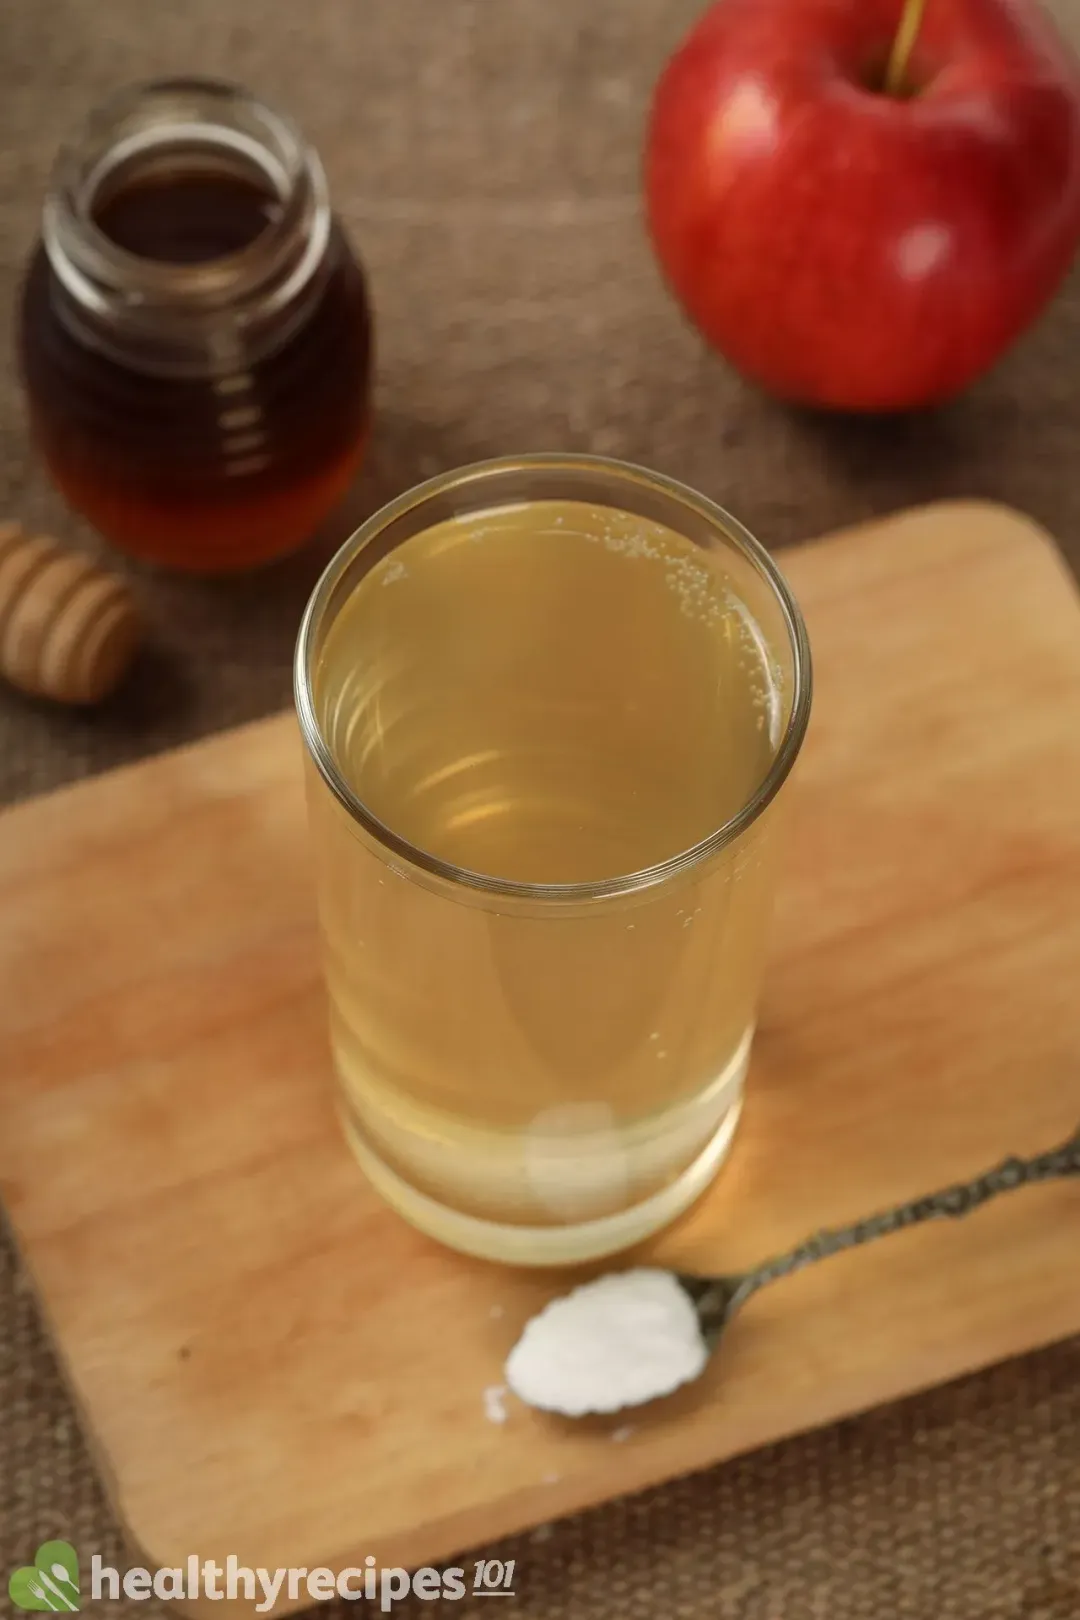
pixel 626 1338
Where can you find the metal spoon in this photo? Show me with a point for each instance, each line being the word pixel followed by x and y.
pixel 716 1299
pixel 582 1344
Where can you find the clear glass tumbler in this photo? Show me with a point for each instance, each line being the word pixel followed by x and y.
pixel 548 703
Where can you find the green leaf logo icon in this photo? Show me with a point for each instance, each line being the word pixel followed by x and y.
pixel 51 1583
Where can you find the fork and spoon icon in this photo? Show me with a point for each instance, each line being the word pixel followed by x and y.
pixel 48 1589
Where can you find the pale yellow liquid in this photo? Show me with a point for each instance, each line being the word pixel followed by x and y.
pixel 550 693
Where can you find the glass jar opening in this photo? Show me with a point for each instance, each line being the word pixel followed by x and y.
pixel 178 206
pixel 168 161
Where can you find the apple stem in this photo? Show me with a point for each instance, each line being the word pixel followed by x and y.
pixel 906 34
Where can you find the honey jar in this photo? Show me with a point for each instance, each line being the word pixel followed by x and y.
pixel 195 334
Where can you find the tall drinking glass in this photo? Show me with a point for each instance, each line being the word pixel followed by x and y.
pixel 548 703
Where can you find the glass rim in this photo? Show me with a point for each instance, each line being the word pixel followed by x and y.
pixel 624 473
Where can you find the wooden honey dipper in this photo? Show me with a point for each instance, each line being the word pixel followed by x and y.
pixel 68 630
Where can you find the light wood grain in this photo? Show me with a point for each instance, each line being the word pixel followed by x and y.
pixel 272 1365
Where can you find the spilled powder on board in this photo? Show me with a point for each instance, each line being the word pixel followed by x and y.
pixel 495 1403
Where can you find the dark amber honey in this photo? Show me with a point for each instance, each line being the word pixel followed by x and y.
pixel 227 444
pixel 192 218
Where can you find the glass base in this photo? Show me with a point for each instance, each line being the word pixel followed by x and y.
pixel 547 1245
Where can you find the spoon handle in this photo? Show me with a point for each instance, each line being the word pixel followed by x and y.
pixel 55 1592
pixel 949 1203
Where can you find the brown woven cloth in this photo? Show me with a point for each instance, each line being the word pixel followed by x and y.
pixel 484 155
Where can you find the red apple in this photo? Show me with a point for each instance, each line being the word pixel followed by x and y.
pixel 848 248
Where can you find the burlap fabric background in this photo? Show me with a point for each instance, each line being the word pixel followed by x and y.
pixel 483 154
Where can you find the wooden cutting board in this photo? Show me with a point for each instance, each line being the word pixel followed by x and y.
pixel 271 1364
